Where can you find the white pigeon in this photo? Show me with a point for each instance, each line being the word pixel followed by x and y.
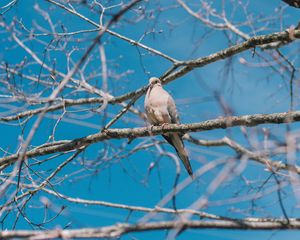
pixel 161 109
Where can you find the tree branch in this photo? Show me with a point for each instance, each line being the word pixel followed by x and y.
pixel 131 133
pixel 293 3
pixel 123 228
pixel 115 34
pixel 188 66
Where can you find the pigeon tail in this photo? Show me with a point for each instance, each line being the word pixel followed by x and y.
pixel 178 145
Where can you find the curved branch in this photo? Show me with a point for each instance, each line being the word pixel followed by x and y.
pixel 131 133
pixel 293 3
pixel 188 66
pixel 253 42
pixel 124 228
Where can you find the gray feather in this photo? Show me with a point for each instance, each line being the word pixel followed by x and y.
pixel 161 109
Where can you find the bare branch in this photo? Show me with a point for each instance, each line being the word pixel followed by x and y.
pixel 221 123
pixel 188 66
pixel 293 3
pixel 123 228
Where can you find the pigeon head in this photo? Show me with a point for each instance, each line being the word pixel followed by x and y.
pixel 154 81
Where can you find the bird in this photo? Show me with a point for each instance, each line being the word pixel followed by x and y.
pixel 160 109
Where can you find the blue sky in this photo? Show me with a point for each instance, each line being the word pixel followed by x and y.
pixel 246 90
